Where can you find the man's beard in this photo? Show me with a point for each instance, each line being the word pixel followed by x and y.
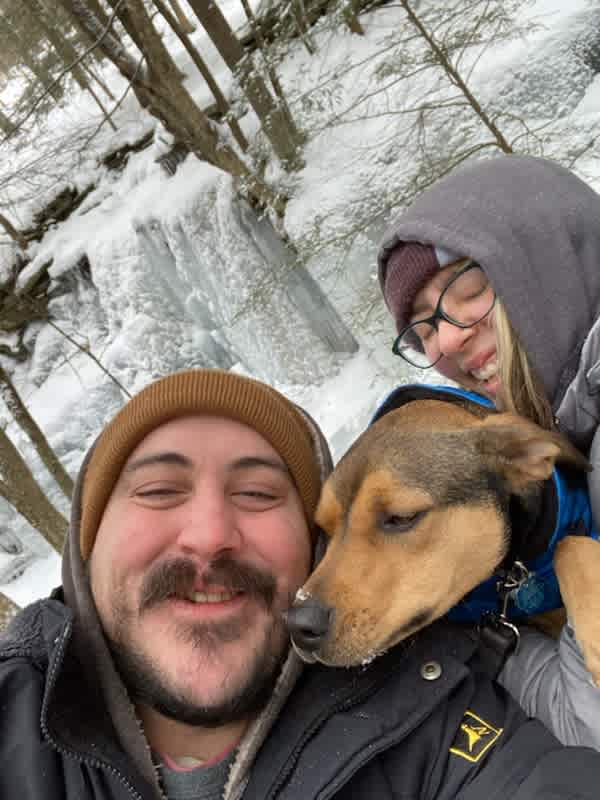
pixel 147 683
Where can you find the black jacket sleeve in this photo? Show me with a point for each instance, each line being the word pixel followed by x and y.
pixel 566 774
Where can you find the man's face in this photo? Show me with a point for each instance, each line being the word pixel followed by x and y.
pixel 202 545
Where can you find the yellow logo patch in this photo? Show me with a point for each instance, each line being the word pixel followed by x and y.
pixel 474 737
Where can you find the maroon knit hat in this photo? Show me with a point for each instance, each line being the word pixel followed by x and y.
pixel 409 267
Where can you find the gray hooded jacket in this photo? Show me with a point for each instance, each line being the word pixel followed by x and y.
pixel 534 227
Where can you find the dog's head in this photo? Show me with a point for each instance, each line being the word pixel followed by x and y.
pixel 416 515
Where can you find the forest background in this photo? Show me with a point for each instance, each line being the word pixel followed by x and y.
pixel 191 183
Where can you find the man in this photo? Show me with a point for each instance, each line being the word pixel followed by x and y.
pixel 162 667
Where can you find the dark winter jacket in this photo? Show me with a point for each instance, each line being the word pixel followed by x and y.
pixel 419 722
pixel 68 728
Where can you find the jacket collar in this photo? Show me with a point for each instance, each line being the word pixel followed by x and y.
pixel 323 704
pixel 75 717
pixel 367 708
pixel 402 395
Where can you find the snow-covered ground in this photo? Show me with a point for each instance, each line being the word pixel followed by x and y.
pixel 180 272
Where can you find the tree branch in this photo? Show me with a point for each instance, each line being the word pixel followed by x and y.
pixel 14 234
pixel 89 353
pixel 455 77
pixel 117 105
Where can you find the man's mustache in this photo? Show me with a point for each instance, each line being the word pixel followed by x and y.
pixel 179 576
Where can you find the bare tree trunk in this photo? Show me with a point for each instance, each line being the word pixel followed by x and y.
pixel 5 64
pixel 159 88
pixel 8 610
pixel 279 128
pixel 186 25
pixel 5 124
pixel 68 55
pixel 19 488
pixel 299 14
pixel 86 39
pixel 99 103
pixel 38 70
pixel 203 69
pixel 262 45
pixel 350 10
pixel 94 75
pixel 30 427
pixel 24 49
pixel 14 234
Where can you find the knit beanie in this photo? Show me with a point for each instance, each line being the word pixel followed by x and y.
pixel 409 266
pixel 287 429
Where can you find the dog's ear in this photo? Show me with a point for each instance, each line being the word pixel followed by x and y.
pixel 523 452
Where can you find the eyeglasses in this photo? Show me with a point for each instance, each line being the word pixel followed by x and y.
pixel 466 300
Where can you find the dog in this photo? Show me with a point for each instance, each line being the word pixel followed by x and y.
pixel 422 511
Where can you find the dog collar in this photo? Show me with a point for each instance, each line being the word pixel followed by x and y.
pixel 422 391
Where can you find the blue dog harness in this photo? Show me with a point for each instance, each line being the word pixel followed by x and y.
pixel 538 590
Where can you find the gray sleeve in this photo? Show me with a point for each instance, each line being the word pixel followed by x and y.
pixel 551 682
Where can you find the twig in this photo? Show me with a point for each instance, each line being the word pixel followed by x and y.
pixel 455 78
pixel 89 353
pixel 116 107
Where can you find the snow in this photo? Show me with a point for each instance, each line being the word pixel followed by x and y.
pixel 180 274
pixel 38 581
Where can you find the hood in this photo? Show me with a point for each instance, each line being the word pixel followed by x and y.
pixel 91 647
pixel 93 652
pixel 534 227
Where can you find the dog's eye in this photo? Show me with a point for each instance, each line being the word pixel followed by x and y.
pixel 398 523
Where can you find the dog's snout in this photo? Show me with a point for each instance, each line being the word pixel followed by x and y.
pixel 308 624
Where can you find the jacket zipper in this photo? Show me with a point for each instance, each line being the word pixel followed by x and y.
pixel 88 760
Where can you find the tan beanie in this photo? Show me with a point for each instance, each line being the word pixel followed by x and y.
pixel 215 392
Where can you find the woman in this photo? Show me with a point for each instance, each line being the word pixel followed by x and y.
pixel 493 278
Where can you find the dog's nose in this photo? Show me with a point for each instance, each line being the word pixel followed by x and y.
pixel 308 624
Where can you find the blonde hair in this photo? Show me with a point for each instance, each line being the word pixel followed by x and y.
pixel 522 391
